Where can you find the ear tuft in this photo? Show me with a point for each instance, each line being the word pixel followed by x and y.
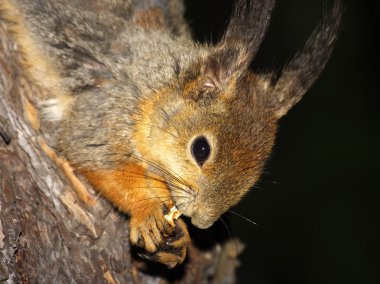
pixel 245 32
pixel 303 70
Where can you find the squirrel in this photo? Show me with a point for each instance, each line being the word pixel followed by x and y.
pixel 154 120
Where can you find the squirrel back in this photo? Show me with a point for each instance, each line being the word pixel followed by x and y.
pixel 133 97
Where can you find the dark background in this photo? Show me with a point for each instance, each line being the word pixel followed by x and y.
pixel 318 202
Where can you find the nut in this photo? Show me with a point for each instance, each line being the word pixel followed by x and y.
pixel 173 214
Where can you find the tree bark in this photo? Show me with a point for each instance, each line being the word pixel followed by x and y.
pixel 47 235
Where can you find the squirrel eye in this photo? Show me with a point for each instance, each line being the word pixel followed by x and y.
pixel 200 149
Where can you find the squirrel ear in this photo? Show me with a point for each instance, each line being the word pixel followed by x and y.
pixel 302 71
pixel 244 34
pixel 221 66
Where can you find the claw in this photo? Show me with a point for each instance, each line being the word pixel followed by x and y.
pixel 162 241
pixel 170 260
pixel 149 257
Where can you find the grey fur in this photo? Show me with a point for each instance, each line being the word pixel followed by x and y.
pixel 209 89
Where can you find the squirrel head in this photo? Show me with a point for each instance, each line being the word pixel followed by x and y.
pixel 210 141
pixel 212 130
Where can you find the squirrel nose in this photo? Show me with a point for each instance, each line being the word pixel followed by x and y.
pixel 202 220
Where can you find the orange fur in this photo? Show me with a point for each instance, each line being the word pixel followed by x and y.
pixel 129 188
pixel 31 114
pixel 78 186
pixel 139 193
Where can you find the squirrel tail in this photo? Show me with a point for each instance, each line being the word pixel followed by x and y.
pixel 34 59
pixel 36 64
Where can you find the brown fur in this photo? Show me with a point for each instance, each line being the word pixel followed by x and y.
pixel 151 19
pixel 130 91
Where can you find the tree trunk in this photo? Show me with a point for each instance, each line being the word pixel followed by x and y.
pixel 47 235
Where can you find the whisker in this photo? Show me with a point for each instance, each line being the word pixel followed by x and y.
pixel 168 198
pixel 97 197
pixel 175 177
pixel 108 212
pixel 157 203
pixel 183 203
pixel 161 169
pixel 174 187
pixel 172 179
pixel 143 176
pixel 281 184
pixel 248 220
pixel 163 129
pixel 166 117
pixel 141 111
pixel 243 217
pixel 229 234
pixel 226 227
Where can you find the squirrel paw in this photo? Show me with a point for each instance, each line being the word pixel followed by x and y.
pixel 161 241
pixel 148 228
pixel 173 251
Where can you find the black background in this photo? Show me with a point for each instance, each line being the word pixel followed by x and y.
pixel 319 198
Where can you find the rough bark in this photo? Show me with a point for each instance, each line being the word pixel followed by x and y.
pixel 47 235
